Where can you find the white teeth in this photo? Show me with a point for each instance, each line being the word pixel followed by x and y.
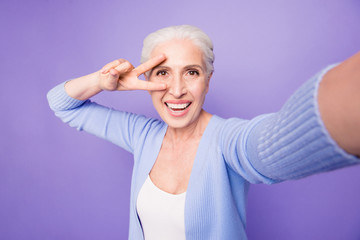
pixel 177 106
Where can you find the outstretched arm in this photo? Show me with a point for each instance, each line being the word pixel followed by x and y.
pixel 293 142
pixel 339 104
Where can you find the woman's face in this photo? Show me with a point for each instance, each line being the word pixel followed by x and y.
pixel 184 72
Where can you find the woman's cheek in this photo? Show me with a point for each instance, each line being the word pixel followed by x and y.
pixel 198 87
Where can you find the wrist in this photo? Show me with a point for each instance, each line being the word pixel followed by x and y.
pixel 83 88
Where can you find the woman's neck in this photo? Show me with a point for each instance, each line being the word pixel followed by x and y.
pixel 193 131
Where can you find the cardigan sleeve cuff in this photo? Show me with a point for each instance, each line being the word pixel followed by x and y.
pixel 59 100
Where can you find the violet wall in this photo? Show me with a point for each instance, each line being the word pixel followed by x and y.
pixel 57 183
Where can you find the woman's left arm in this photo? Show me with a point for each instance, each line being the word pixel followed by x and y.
pixel 339 104
pixel 316 130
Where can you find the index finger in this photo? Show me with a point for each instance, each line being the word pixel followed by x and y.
pixel 149 64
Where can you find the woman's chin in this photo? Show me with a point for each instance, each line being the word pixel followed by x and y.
pixel 177 122
pixel 184 121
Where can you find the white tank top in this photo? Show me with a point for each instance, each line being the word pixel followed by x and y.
pixel 161 213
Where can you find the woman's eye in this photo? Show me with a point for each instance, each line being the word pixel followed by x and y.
pixel 161 73
pixel 193 73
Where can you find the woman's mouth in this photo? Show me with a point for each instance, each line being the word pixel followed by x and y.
pixel 178 109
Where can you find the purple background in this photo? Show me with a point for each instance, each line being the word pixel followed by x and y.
pixel 57 183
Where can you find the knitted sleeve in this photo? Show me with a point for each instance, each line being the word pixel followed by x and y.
pixel 290 144
pixel 120 128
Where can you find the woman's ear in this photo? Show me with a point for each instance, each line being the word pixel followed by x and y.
pixel 210 76
pixel 208 82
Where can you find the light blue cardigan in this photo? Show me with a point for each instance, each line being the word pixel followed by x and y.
pixel 290 144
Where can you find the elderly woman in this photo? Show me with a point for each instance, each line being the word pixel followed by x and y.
pixel 192 169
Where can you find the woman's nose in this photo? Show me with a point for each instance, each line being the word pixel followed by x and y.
pixel 177 87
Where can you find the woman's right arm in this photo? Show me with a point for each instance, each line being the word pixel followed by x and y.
pixel 118 75
pixel 70 101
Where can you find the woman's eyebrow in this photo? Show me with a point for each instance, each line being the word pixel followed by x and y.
pixel 194 66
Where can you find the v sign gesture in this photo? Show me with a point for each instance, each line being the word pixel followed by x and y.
pixel 117 75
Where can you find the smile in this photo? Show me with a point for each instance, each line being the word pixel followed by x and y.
pixel 177 107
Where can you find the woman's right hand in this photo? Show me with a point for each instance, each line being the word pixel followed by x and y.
pixel 117 75
pixel 121 75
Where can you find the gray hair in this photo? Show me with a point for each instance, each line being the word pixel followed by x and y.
pixel 196 35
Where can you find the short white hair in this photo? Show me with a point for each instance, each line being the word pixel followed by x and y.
pixel 196 35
